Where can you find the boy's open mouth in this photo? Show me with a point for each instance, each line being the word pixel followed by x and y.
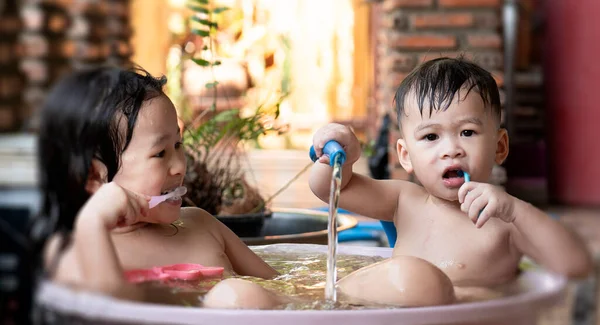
pixel 453 177
pixel 453 173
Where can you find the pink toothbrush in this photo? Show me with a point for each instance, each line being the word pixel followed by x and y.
pixel 156 200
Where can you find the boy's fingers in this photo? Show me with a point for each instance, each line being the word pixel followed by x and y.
pixel 476 207
pixel 464 190
pixel 484 216
pixel 468 199
pixel 324 159
pixel 318 150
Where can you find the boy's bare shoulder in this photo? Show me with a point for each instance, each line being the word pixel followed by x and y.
pixel 412 191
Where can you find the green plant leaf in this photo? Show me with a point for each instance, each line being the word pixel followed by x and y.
pixel 200 32
pixel 201 62
pixel 219 10
pixel 226 115
pixel 204 21
pixel 216 62
pixel 210 85
pixel 204 2
pixel 198 9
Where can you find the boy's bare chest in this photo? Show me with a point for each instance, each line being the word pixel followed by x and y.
pixel 156 248
pixel 448 239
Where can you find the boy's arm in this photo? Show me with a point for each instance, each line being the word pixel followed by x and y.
pixel 360 194
pixel 548 242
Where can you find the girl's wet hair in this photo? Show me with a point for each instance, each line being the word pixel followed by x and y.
pixel 436 82
pixel 88 114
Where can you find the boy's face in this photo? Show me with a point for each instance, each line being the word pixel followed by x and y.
pixel 464 137
pixel 154 162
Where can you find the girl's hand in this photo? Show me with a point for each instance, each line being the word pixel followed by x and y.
pixel 116 206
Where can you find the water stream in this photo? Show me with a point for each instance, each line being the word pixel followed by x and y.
pixel 332 236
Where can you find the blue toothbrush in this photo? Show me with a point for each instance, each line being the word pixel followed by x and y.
pixel 467 179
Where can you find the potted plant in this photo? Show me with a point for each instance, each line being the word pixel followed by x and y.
pixel 216 138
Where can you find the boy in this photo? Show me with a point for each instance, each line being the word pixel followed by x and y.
pixel 449 117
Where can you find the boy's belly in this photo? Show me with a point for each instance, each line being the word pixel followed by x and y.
pixel 467 263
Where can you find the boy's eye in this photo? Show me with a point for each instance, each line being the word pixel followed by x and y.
pixel 160 154
pixel 178 145
pixel 467 133
pixel 431 137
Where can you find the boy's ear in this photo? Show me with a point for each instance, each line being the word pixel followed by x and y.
pixel 403 156
pixel 97 176
pixel 502 146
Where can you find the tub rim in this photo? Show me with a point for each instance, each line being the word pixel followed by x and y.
pixel 546 289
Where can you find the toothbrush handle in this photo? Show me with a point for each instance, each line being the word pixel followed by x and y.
pixel 467 177
pixel 333 149
pixel 154 201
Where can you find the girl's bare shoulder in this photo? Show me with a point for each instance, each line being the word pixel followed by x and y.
pixel 195 214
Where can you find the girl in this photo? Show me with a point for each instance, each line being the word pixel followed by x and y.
pixel 109 139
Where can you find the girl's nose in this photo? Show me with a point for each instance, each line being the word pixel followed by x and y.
pixel 178 164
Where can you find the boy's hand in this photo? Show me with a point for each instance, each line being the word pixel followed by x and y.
pixel 482 201
pixel 343 135
pixel 115 206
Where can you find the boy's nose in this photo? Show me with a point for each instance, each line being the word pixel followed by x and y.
pixel 452 150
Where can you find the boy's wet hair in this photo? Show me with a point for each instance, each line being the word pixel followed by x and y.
pixel 436 82
pixel 88 114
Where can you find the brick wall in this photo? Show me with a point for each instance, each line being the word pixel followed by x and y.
pixel 52 38
pixel 413 31
pixel 11 79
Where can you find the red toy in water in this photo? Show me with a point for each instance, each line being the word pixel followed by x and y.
pixel 185 271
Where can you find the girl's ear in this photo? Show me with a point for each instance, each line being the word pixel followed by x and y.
pixel 97 176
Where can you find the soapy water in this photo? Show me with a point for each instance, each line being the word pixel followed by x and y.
pixel 303 278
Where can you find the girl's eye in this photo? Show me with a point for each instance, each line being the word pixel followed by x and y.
pixel 178 145
pixel 160 154
pixel 431 137
pixel 467 133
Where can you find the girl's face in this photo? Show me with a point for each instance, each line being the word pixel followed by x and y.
pixel 154 162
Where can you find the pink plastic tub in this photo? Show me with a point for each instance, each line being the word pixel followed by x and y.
pixel 543 291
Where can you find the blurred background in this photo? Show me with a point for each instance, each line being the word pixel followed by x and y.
pixel 336 61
